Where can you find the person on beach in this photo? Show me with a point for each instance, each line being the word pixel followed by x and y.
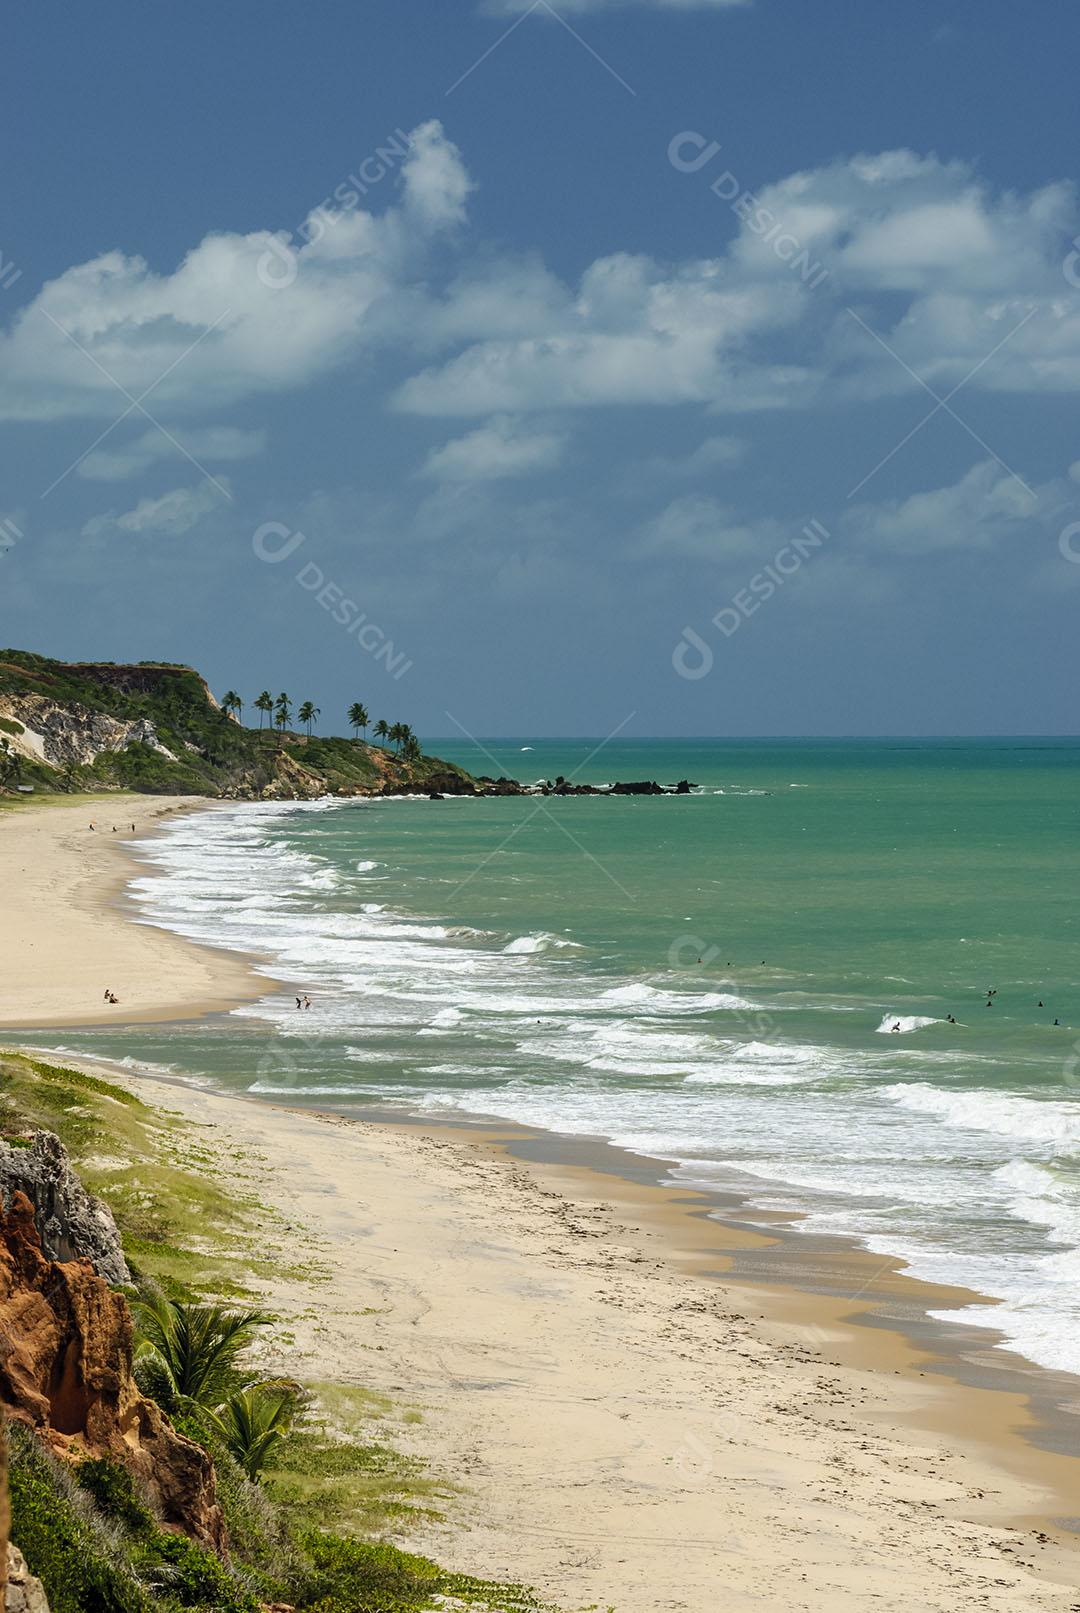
pixel 307 1002
pixel 108 993
pixel 299 1004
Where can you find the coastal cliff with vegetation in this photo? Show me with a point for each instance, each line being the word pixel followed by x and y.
pixel 158 1458
pixel 158 729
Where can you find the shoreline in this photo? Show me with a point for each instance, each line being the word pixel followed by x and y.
pixel 819 1335
pixel 613 1407
pixel 71 929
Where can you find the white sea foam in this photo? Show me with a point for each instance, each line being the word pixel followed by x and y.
pixel 906 1023
pixel 527 945
pixel 1025 1119
pixel 527 1030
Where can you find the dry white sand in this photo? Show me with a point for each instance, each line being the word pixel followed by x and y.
pixel 67 934
pixel 624 1434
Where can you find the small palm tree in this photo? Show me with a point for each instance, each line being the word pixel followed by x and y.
pixel 231 702
pixel 397 734
pixel 264 705
pixel 254 1421
pixel 307 715
pixel 196 1345
pixel 358 718
pixel 282 712
pixel 10 763
pixel 411 748
pixel 382 731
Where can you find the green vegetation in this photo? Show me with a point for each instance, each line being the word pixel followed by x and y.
pixel 210 753
pixel 197 1347
pixel 254 1421
pixel 332 1482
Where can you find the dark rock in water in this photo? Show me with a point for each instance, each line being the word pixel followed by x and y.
pixel 503 786
pixel 683 787
pixel 433 795
pixel 71 1223
pixel 644 787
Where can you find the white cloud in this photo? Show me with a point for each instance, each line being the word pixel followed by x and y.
pixel 169 516
pixel 934 260
pixel 925 252
pixel 702 528
pixel 241 314
pixel 211 444
pixel 986 507
pixel 501 448
pixel 712 455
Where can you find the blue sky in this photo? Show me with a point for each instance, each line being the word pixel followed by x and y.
pixel 522 367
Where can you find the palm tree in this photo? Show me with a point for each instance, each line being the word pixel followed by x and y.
pixel 196 1346
pixel 412 751
pixel 231 702
pixel 264 705
pixel 307 714
pixel 282 712
pixel 381 729
pixel 358 718
pixel 255 1420
pixel 10 763
pixel 397 734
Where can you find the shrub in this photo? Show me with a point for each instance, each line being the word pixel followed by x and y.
pixel 74 1556
pixel 113 1490
pixel 192 1576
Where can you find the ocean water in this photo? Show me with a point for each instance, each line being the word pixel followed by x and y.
pixel 713 979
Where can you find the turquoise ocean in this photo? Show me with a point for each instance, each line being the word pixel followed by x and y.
pixel 712 980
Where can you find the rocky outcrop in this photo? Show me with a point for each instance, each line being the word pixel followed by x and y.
pixel 66 1345
pixel 24 1593
pixel 563 786
pixel 71 1223
pixel 73 735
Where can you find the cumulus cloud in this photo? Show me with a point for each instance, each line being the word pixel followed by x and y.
pixel 211 444
pixel 954 277
pixel 985 508
pixel 714 454
pixel 169 516
pixel 501 448
pixel 702 528
pixel 241 313
pixel 961 281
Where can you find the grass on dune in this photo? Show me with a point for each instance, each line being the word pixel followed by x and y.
pixel 315 1532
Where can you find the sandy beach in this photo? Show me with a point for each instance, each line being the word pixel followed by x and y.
pixel 68 931
pixel 624 1427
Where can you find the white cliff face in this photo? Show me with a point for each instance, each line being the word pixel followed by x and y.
pixel 72 734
